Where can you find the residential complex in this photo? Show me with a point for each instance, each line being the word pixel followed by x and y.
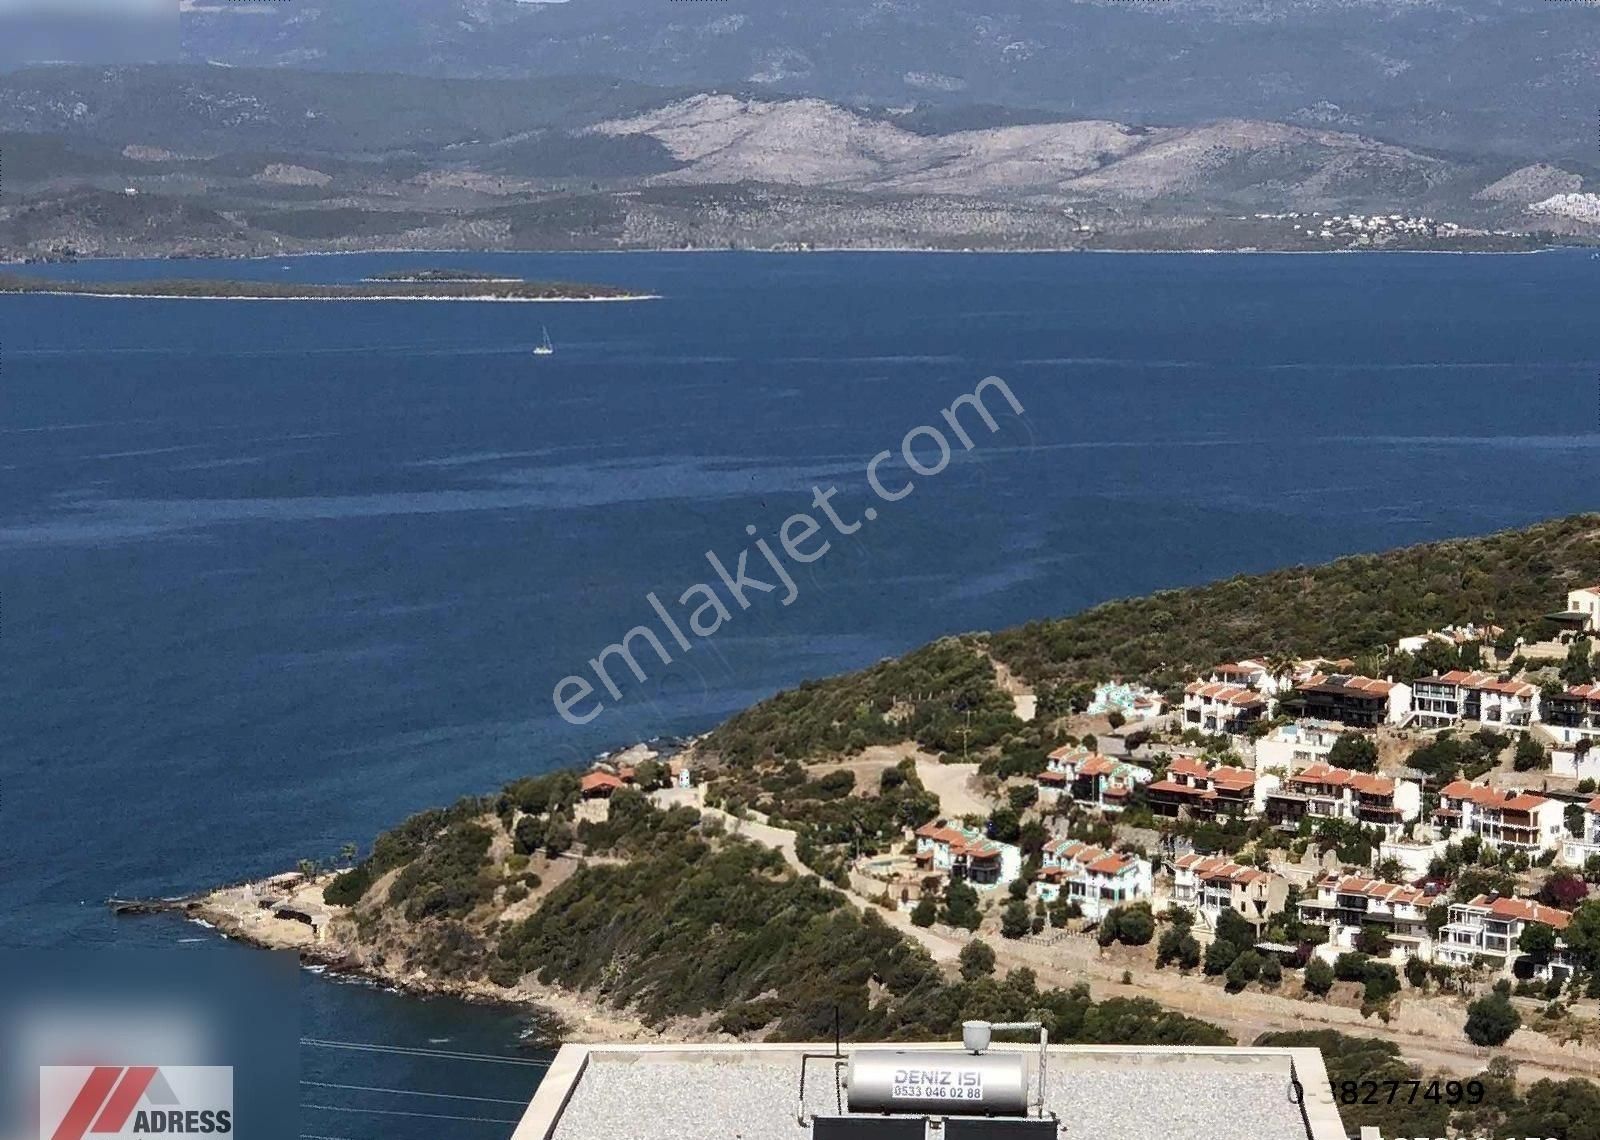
pixel 1218 707
pixel 966 854
pixel 1097 879
pixel 1449 699
pixel 1490 927
pixel 1191 788
pixel 1350 699
pixel 1346 904
pixel 1208 885
pixel 1500 818
pixel 1322 792
pixel 1089 779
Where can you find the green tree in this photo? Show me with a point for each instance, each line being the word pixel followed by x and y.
pixel 925 913
pixel 977 960
pixel 1014 919
pixel 960 906
pixel 557 839
pixel 1135 925
pixel 1232 927
pixel 1319 977
pixel 1491 1020
pixel 1354 750
pixel 1373 940
pixel 1219 956
pixel 1243 970
pixel 1528 755
pixel 1178 945
pixel 1582 936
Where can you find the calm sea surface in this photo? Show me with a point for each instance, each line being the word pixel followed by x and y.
pixel 275 575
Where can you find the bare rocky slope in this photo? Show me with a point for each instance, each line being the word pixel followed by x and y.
pixel 150 161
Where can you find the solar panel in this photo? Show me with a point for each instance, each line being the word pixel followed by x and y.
pixel 869 1128
pixel 983 1128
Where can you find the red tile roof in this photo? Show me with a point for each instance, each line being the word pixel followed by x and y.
pixel 1233 779
pixel 1488 797
pixel 1374 889
pixel 1227 694
pixel 1345 778
pixel 597 781
pixel 1211 868
pixel 1524 909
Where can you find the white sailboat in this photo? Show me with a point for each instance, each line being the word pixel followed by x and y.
pixel 545 349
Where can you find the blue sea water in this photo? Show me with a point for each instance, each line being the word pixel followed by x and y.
pixel 275 575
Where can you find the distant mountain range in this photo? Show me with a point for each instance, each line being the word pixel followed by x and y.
pixel 220 160
pixel 1484 77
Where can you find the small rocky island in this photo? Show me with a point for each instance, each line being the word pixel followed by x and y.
pixel 407 287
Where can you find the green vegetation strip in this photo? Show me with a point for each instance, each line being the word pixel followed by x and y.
pixel 445 289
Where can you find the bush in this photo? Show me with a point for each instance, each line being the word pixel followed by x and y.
pixel 1491 1020
pixel 1318 977
pixel 1131 925
pixel 1219 956
pixel 1014 920
pixel 961 906
pixel 1243 970
pixel 977 960
pixel 1178 945
pixel 925 912
pixel 1271 970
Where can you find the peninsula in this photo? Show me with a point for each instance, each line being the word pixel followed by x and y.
pixel 1129 850
pixel 406 288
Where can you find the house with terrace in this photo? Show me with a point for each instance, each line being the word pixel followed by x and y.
pixel 966 854
pixel 1345 904
pixel 1192 789
pixel 1502 818
pixel 1094 781
pixel 1578 707
pixel 1460 695
pixel 1207 885
pixel 1322 792
pixel 1350 699
pixel 1096 879
pixel 1221 709
pixel 1490 928
pixel 1577 850
pixel 1293 747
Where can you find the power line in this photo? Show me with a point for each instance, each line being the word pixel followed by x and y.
pixel 400 1112
pixel 411 1092
pixel 411 1051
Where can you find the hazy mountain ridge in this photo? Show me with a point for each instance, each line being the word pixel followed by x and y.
pixel 1487 76
pixel 117 161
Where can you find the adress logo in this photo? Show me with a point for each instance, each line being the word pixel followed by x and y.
pixel 141 1102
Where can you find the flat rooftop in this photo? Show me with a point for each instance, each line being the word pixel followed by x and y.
pixel 751 1092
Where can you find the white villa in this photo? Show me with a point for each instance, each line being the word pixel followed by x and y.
pixel 1291 748
pixel 1323 792
pixel 1586 601
pixel 965 853
pixel 1208 885
pixel 1576 851
pixel 1501 818
pixel 1097 879
pixel 1346 904
pixel 1489 927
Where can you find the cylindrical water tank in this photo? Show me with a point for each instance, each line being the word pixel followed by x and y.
pixel 942 1083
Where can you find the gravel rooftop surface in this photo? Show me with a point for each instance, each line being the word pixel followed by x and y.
pixel 754 1098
